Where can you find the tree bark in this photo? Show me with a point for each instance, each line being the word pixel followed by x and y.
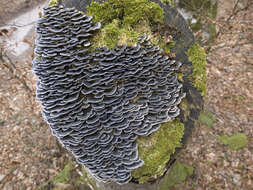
pixel 184 39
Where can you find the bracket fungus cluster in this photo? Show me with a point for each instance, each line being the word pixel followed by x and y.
pixel 98 102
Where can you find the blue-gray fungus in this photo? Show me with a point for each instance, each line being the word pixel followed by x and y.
pixel 98 102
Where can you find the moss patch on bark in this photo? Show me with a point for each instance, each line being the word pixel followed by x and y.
pixel 156 149
pixel 198 58
pixel 123 21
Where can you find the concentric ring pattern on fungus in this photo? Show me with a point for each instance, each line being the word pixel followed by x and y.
pixel 97 103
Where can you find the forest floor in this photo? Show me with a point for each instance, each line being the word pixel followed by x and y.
pixel 12 8
pixel 30 156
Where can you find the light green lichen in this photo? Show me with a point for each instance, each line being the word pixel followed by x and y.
pixel 123 21
pixel 156 149
pixel 198 58
pixel 177 174
pixel 52 2
pixel 207 118
pixel 235 142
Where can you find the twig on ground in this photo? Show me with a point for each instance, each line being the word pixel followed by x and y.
pixel 233 11
pixel 236 10
pixel 17 25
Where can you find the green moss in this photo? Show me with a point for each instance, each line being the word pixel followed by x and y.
pixel 123 21
pixel 166 46
pixel 156 149
pixel 170 2
pixel 111 31
pixel 103 12
pixel 131 12
pixel 198 58
pixel 64 175
pixel 235 142
pixel 141 10
pixel 207 118
pixel 112 34
pixel 180 77
pixel 52 2
pixel 177 174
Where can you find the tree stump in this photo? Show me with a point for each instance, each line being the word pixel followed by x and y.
pixel 178 42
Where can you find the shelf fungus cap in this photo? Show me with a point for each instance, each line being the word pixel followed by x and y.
pixel 97 103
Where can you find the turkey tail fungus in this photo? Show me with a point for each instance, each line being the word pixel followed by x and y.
pixel 110 90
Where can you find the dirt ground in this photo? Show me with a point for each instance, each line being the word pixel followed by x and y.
pixel 30 156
